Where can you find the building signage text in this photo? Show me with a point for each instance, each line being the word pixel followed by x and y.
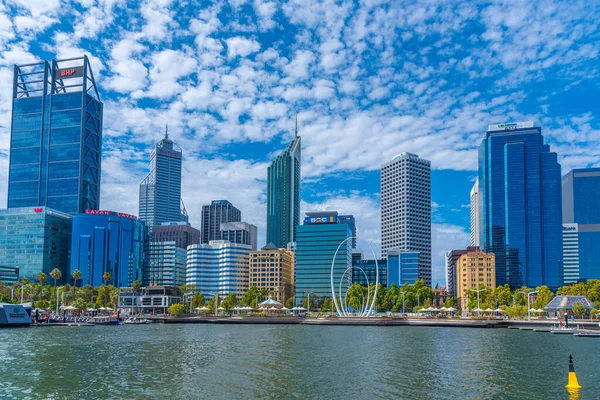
pixel 67 73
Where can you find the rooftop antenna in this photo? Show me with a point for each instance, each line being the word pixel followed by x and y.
pixel 167 131
pixel 296 132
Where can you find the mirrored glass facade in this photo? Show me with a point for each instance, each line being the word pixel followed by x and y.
pixel 521 209
pixel 106 241
pixel 283 195
pixel 56 138
pixel 581 214
pixel 35 239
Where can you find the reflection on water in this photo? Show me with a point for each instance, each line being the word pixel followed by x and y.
pixel 303 362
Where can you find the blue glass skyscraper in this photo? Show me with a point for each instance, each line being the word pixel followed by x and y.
pixel 56 137
pixel 521 208
pixel 106 241
pixel 581 215
pixel 283 195
pixel 160 192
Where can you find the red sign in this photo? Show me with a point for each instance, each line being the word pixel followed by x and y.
pixel 38 209
pixel 106 212
pixel 118 214
pixel 71 72
pixel 169 153
pixel 100 212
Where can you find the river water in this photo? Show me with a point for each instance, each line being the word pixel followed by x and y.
pixel 207 361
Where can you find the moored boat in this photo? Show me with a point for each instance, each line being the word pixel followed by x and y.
pixel 137 321
pixel 104 320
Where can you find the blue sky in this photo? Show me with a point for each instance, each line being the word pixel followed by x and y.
pixel 369 79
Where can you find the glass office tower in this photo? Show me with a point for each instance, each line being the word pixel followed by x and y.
pixel 581 216
pixel 283 195
pixel 160 192
pixel 56 137
pixel 316 244
pixel 107 241
pixel 215 214
pixel 521 209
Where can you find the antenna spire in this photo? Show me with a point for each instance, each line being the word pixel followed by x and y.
pixel 166 131
pixel 296 132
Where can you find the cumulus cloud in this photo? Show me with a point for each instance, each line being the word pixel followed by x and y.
pixel 241 47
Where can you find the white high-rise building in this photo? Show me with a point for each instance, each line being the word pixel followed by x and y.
pixel 570 253
pixel 475 219
pixel 406 209
pixel 218 267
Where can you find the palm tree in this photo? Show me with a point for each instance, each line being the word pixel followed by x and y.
pixel 76 276
pixel 107 276
pixel 41 277
pixel 56 275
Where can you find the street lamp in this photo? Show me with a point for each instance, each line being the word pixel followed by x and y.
pixel 308 304
pixel 528 306
pixel 403 293
pixel 57 289
pixel 479 308
pixel 216 296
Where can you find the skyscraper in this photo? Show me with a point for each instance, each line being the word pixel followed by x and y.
pixel 160 191
pixel 182 233
pixel 240 232
pixel 475 215
pixel 273 269
pixel 406 209
pixel 215 214
pixel 316 244
pixel 581 218
pixel 56 137
pixel 520 185
pixel 283 195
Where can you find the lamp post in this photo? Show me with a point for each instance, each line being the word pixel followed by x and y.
pixel 479 308
pixel 308 304
pixel 528 306
pixel 403 293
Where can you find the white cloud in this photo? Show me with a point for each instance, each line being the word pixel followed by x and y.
pixel 241 47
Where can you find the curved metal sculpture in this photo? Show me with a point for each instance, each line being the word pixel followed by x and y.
pixel 343 312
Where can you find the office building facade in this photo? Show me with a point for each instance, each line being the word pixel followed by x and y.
pixel 283 195
pixel 240 232
pixel 107 241
pixel 520 185
pixel 581 210
pixel 182 233
pixel 406 209
pixel 475 215
pixel 364 272
pixel 9 275
pixel 164 264
pixel 218 267
pixel 56 137
pixel 35 239
pixel 215 214
pixel 452 257
pixel 160 192
pixel 474 268
pixel 403 267
pixel 570 253
pixel 273 269
pixel 316 243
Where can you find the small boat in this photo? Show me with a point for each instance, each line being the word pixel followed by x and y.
pixel 104 320
pixel 563 330
pixel 137 321
pixel 587 333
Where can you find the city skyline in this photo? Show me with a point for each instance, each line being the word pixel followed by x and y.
pixel 344 140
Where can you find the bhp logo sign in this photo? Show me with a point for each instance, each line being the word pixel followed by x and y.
pixel 67 72
pixel 38 209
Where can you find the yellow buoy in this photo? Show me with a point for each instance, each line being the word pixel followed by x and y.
pixel 573 384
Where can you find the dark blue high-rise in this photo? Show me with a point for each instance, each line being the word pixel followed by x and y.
pixel 56 137
pixel 521 205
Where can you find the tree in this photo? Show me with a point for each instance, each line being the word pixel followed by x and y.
pixel 327 305
pixel 56 275
pixel 251 296
pixel 593 313
pixel 136 286
pixel 41 277
pixel 176 310
pixel 578 309
pixel 229 302
pixel 289 303
pixel 543 297
pixel 107 276
pixel 198 300
pixel 76 276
